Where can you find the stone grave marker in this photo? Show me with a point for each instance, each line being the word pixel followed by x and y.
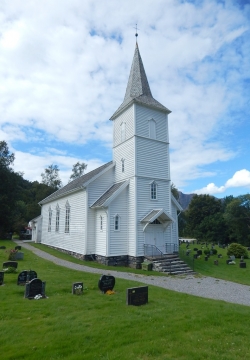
pixel 33 288
pixel 26 276
pixel 106 282
pixel 1 277
pixel 77 288
pixel 243 265
pixel 2 247
pixel 137 296
pixel 8 264
pixel 18 247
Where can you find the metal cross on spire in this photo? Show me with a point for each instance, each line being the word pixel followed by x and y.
pixel 136 34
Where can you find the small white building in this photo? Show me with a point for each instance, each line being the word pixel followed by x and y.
pixel 123 210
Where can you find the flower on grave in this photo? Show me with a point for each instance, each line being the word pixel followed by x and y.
pixel 232 263
pixel 109 292
pixel 12 254
pixel 78 289
pixel 38 297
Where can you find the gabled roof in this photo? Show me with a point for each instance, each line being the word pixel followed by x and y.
pixel 177 204
pixel 138 89
pixel 78 183
pixel 160 214
pixel 110 194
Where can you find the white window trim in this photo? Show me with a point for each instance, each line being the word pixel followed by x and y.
pixel 117 216
pixel 67 218
pixel 156 191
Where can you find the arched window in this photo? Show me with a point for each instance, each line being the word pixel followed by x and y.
pixel 57 217
pixel 67 217
pixel 123 131
pixel 50 219
pixel 117 222
pixel 152 129
pixel 123 166
pixel 101 223
pixel 153 191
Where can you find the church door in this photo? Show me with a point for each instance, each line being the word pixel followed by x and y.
pixel 154 235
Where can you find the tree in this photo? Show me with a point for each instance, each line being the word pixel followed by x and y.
pixel 6 158
pixel 237 217
pixel 205 219
pixel 174 191
pixel 51 177
pixel 77 170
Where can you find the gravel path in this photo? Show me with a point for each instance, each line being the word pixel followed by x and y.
pixel 204 286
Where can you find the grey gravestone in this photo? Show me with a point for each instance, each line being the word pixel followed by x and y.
pixel 106 282
pixel 33 288
pixel 8 264
pixel 1 277
pixel 77 288
pixel 19 255
pixel 26 276
pixel 18 247
pixel 137 296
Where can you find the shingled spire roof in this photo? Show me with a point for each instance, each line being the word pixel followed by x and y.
pixel 138 89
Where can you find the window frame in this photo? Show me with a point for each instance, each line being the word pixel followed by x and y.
pixel 50 219
pixel 153 191
pixel 57 218
pixel 117 222
pixel 67 218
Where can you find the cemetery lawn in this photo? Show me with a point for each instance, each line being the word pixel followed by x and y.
pixel 96 326
pixel 222 270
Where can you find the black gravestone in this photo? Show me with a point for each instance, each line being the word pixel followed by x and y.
pixel 25 276
pixel 33 288
pixel 2 247
pixel 77 288
pixel 18 247
pixel 137 296
pixel 1 277
pixel 106 282
pixel 8 264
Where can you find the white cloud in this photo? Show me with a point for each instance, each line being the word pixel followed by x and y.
pixel 240 179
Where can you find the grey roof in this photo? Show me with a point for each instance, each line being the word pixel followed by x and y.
pixel 150 216
pixel 138 89
pixel 76 184
pixel 107 194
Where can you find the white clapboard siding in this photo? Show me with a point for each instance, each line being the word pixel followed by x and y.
pixel 127 117
pixel 145 204
pixel 74 240
pixel 101 234
pixel 95 189
pixel 152 158
pixel 119 238
pixel 132 218
pixel 143 115
pixel 125 151
pixel 175 231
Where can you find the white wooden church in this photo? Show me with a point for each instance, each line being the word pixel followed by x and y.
pixel 123 210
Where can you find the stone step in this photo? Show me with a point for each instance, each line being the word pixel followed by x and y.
pixel 171 264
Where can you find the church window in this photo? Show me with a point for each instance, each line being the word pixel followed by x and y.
pixel 50 219
pixel 123 166
pixel 101 223
pixel 57 218
pixel 117 223
pixel 67 218
pixel 153 191
pixel 152 129
pixel 123 131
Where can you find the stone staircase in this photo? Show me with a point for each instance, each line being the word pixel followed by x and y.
pixel 170 264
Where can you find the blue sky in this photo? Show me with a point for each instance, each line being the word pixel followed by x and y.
pixel 64 67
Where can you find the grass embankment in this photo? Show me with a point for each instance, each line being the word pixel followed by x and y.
pixel 220 271
pixel 96 326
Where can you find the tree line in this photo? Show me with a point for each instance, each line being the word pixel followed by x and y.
pixel 216 220
pixel 19 198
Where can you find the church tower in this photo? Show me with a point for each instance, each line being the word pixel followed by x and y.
pixel 141 155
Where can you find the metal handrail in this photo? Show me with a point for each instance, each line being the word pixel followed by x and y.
pixel 152 251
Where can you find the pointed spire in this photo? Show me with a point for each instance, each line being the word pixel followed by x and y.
pixel 138 88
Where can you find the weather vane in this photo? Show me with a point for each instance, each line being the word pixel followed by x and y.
pixel 136 34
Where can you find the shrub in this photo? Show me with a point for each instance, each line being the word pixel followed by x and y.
pixel 237 250
pixel 12 254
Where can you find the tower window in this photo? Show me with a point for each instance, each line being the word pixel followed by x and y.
pixel 153 191
pixel 123 166
pixel 152 129
pixel 123 131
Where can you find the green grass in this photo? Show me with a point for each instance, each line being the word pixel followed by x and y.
pixel 222 271
pixel 96 326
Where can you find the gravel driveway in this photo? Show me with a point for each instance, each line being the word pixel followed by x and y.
pixel 206 287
